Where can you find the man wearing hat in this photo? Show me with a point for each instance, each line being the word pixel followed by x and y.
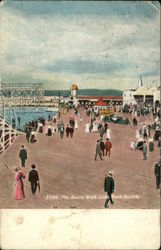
pixel 98 150
pixel 34 179
pixel 23 156
pixel 157 171
pixel 102 145
pixel 109 188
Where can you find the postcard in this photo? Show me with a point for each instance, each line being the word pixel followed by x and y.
pixel 80 131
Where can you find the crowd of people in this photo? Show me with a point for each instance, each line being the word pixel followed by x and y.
pixel 103 148
pixel 145 136
pixel 51 128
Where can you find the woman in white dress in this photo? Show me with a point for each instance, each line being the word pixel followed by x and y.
pixel 95 127
pixel 101 117
pixel 46 130
pixel 87 127
pixel 108 133
pixel 132 145
pixel 39 124
pixel 53 130
pixel 76 124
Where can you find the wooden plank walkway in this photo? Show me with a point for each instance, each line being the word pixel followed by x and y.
pixel 70 178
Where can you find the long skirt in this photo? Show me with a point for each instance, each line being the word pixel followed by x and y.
pixel 20 194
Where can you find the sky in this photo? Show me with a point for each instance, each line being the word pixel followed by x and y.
pixel 105 44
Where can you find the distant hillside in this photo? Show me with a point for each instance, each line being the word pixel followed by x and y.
pixel 57 92
pixel 88 92
pixel 100 92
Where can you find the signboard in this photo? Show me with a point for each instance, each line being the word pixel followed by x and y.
pixel 106 112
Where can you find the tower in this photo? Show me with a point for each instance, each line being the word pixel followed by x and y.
pixel 74 90
pixel 141 82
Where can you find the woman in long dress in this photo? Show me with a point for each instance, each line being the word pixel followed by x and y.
pixel 132 145
pixel 76 124
pixel 19 192
pixel 46 130
pixel 87 127
pixel 95 127
pixel 108 133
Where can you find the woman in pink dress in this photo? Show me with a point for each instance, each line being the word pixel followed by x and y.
pixel 20 175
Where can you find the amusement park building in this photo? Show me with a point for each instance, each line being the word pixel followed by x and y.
pixel 142 95
pixel 116 100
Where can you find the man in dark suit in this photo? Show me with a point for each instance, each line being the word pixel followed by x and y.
pixel 102 145
pixel 34 179
pixel 134 122
pixel 67 130
pixel 71 131
pixel 23 156
pixel 157 171
pixel 98 150
pixel 27 134
pixel 109 188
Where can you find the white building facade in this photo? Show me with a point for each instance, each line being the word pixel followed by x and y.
pixel 128 97
pixel 142 95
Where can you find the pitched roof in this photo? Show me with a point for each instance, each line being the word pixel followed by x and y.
pixel 100 102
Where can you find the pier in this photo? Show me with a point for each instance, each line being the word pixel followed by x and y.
pixel 70 178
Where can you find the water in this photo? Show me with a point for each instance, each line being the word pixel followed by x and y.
pixel 26 114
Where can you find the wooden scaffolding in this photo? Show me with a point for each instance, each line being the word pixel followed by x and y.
pixel 23 94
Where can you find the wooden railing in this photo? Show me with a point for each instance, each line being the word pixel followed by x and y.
pixel 7 133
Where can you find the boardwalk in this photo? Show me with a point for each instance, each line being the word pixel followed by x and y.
pixel 70 178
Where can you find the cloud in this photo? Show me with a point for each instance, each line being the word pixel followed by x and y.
pixel 89 49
